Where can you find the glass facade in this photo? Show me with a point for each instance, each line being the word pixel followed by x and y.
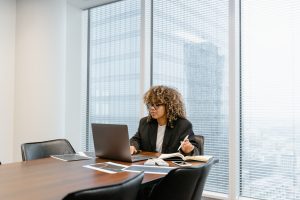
pixel 114 65
pixel 270 99
pixel 190 53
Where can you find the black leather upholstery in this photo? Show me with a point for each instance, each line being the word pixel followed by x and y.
pixel 185 183
pixel 124 191
pixel 200 143
pixel 36 150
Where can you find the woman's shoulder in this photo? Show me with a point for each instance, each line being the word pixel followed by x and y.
pixel 183 121
pixel 144 120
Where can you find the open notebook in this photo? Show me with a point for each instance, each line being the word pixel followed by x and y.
pixel 179 156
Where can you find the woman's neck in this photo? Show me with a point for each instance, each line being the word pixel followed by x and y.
pixel 162 121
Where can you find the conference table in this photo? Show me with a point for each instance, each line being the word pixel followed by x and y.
pixel 53 179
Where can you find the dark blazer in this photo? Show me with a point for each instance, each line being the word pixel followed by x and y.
pixel 145 138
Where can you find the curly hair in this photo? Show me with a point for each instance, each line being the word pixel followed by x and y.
pixel 169 97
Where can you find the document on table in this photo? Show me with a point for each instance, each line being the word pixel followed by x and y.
pixel 87 154
pixel 149 169
pixel 70 157
pixel 108 167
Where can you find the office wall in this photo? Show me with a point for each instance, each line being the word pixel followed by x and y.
pixel 74 77
pixel 39 71
pixel 7 62
pixel 42 79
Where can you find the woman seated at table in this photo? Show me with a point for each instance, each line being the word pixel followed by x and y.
pixel 166 126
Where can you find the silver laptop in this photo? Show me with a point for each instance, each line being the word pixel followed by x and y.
pixel 111 141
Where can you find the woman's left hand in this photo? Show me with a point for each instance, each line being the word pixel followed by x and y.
pixel 187 147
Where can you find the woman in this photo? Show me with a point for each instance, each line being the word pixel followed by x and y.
pixel 166 126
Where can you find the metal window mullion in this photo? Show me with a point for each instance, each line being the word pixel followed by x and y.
pixel 84 82
pixel 145 50
pixel 234 99
pixel 88 81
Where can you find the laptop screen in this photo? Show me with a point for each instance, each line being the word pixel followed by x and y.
pixel 111 141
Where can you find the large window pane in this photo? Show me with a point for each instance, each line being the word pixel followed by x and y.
pixel 190 52
pixel 270 131
pixel 114 65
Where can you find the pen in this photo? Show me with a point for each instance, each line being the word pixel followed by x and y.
pixel 186 137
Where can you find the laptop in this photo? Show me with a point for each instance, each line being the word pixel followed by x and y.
pixel 111 141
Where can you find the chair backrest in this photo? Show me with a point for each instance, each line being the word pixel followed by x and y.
pixel 36 150
pixel 185 183
pixel 123 191
pixel 200 143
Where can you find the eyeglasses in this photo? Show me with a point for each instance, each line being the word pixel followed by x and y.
pixel 155 106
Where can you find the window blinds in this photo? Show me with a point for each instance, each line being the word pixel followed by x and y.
pixel 114 60
pixel 270 94
pixel 190 52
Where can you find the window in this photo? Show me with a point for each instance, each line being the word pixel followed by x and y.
pixel 114 65
pixel 190 52
pixel 270 94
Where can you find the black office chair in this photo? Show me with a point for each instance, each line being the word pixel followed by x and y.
pixel 199 139
pixel 185 183
pixel 123 191
pixel 36 150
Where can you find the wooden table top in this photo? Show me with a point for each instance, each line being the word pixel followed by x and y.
pixel 52 179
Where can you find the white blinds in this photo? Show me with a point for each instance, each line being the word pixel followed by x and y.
pixel 270 94
pixel 114 60
pixel 190 52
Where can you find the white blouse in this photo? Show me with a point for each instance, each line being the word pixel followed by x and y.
pixel 160 137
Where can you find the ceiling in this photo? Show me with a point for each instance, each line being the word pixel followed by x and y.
pixel 85 4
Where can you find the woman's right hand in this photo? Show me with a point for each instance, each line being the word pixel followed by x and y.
pixel 132 150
